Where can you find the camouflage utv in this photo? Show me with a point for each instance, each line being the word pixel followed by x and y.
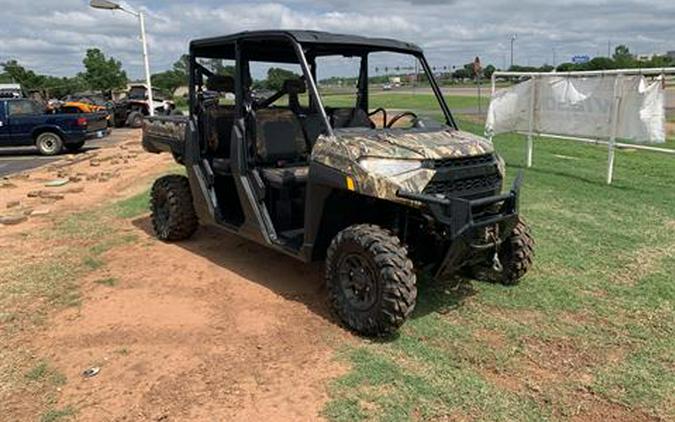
pixel 379 194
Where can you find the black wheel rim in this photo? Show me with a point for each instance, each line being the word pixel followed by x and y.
pixel 358 281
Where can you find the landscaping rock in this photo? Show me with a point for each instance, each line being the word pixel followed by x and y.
pixel 10 220
pixel 40 211
pixel 57 183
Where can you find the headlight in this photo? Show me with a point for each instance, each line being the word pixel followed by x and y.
pixel 389 167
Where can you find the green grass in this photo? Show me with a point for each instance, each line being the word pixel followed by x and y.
pixel 108 281
pixel 591 327
pixel 134 206
pixel 54 415
pixel 424 102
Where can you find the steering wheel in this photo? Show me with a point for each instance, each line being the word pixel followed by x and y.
pixel 384 115
pixel 399 116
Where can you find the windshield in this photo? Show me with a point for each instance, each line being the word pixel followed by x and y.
pixel 382 90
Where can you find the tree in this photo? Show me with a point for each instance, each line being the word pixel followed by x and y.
pixel 101 73
pixel 18 74
pixel 461 74
pixel 169 80
pixel 219 68
pixel 488 71
pixel 276 77
pixel 182 65
pixel 623 58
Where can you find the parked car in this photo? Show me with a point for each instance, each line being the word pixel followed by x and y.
pixel 77 106
pixel 25 122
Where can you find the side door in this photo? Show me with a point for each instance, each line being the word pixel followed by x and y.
pixel 4 127
pixel 23 116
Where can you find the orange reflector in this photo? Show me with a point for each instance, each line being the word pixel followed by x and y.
pixel 350 184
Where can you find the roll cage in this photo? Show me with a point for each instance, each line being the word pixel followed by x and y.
pixel 303 48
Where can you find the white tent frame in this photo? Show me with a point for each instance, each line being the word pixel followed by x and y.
pixel 611 142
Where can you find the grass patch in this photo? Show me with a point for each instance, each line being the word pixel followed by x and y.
pixel 43 372
pixel 595 314
pixel 54 415
pixel 405 101
pixel 133 207
pixel 108 281
pixel 92 263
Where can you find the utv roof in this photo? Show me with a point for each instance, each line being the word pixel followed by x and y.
pixel 274 45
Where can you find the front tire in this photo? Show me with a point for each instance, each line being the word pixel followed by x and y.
pixel 516 255
pixel 49 143
pixel 173 215
pixel 135 120
pixel 370 280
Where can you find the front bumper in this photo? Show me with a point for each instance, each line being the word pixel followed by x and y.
pixel 463 218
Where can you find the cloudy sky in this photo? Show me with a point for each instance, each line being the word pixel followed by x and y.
pixel 51 36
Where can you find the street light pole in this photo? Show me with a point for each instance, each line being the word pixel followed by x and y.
pixel 513 39
pixel 109 5
pixel 148 81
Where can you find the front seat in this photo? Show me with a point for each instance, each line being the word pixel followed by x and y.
pixel 281 147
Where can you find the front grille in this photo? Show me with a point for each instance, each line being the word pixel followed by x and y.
pixel 465 177
pixel 464 161
pixel 464 187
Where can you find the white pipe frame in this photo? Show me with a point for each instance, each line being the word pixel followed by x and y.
pixel 616 106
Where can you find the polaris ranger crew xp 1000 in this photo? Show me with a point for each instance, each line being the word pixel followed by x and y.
pixel 377 189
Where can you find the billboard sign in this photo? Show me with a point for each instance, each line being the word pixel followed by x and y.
pixel 580 59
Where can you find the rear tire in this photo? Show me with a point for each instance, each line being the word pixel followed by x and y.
pixel 516 255
pixel 370 280
pixel 135 120
pixel 173 215
pixel 74 147
pixel 49 143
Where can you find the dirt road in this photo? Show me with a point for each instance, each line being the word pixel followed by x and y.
pixel 204 329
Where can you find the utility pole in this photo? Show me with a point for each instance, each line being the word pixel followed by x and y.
pixel 609 49
pixel 109 5
pixel 513 39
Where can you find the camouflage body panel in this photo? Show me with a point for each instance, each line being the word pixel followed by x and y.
pixel 344 151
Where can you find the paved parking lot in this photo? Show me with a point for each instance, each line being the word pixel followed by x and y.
pixel 14 160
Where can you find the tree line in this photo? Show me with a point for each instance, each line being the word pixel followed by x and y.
pixel 105 74
pixel 101 74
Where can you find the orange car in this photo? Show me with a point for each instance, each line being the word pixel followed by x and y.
pixel 82 107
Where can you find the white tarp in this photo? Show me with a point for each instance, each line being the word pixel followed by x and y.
pixel 582 106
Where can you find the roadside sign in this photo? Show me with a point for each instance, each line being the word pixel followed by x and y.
pixel 580 59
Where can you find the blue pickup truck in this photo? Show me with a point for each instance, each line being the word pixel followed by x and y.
pixel 25 122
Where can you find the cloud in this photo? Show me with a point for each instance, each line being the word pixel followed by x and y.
pixel 52 37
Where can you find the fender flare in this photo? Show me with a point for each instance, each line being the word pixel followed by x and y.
pixel 37 131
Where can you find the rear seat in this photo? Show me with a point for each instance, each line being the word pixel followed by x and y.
pixel 218 123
